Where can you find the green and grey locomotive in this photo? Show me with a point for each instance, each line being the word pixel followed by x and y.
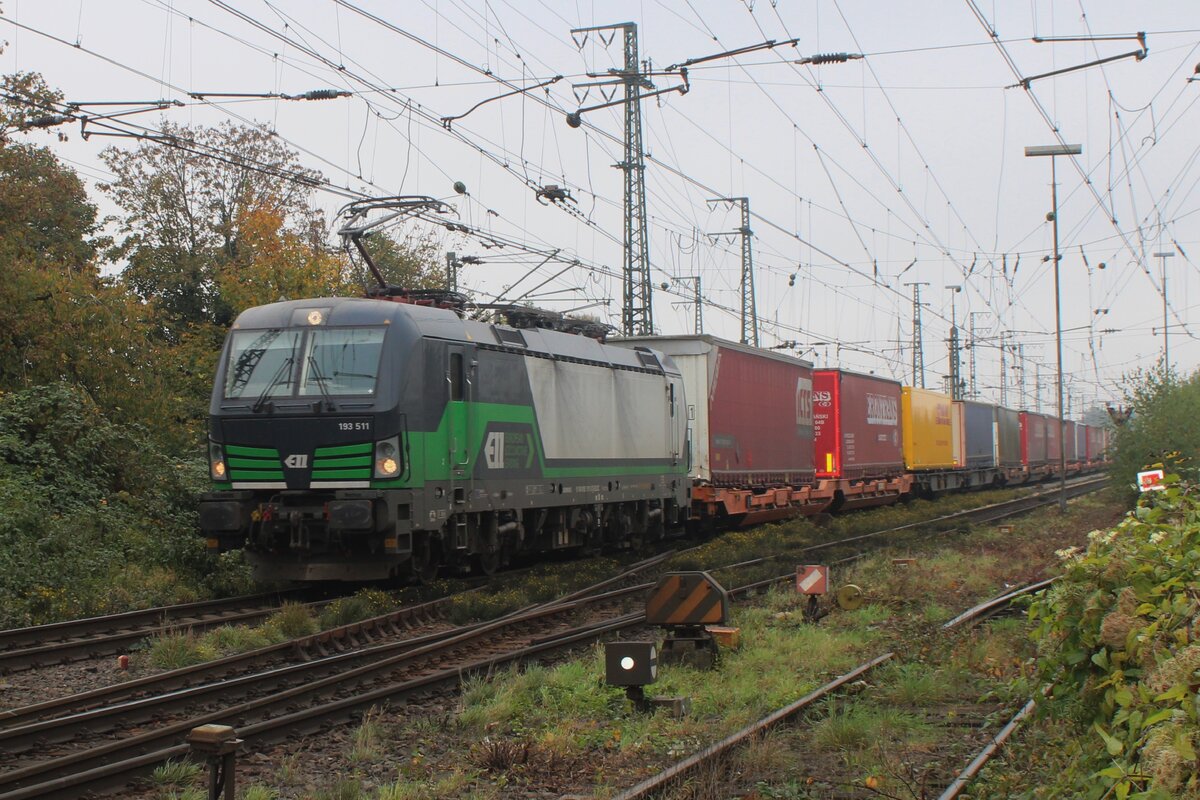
pixel 364 439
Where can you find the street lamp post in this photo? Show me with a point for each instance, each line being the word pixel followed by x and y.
pixel 1162 258
pixel 1053 150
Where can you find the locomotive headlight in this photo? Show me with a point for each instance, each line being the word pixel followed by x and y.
pixel 216 462
pixel 387 458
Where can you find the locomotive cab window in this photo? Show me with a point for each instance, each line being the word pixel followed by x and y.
pixel 282 362
pixel 262 363
pixel 341 361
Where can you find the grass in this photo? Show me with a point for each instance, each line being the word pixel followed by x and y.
pixel 368 738
pixel 259 792
pixel 916 683
pixel 567 710
pixel 169 780
pixel 292 621
pixel 179 649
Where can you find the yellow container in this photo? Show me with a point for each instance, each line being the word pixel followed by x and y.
pixel 929 430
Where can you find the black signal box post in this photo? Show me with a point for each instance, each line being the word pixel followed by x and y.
pixel 630 663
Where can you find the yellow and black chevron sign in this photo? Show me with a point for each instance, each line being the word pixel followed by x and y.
pixel 687 598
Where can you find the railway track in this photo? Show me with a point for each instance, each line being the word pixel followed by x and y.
pixel 334 685
pixel 709 760
pixel 322 680
pixel 79 639
pixel 96 637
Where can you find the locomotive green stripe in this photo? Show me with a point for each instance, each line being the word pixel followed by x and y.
pixel 253 463
pixel 344 450
pixel 256 475
pixel 427 455
pixel 341 474
pixel 254 452
pixel 351 461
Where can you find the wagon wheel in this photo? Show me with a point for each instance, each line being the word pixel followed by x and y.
pixel 426 559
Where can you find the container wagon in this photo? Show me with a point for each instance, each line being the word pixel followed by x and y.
pixel 858 447
pixel 932 439
pixel 1008 444
pixel 1069 442
pixel 751 428
pixel 1033 443
pixel 977 423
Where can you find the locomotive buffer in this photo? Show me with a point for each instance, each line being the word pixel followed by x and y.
pixel 684 603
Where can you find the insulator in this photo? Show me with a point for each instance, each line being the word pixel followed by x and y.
pixel 320 94
pixel 48 121
pixel 829 58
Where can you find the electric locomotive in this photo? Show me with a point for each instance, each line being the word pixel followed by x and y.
pixel 360 439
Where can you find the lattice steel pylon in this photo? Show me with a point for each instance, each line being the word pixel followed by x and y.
pixel 918 347
pixel 749 307
pixel 637 313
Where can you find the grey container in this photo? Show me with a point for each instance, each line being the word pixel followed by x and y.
pixel 978 436
pixel 1008 437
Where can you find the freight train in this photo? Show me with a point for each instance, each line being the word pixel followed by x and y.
pixel 358 439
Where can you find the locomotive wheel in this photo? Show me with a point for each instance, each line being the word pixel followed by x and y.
pixel 488 563
pixel 426 560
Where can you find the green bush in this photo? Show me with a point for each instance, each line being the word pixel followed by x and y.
pixel 1162 429
pixel 94 516
pixel 1119 642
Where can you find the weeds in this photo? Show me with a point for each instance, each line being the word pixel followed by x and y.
pixel 175 773
pixel 180 649
pixel 259 792
pixel 367 737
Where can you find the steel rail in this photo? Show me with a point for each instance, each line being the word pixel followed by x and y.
pixel 967 775
pixel 715 751
pixel 304 648
pixel 360 634
pixel 1003 601
pixel 24 647
pixel 97 764
pixel 69 776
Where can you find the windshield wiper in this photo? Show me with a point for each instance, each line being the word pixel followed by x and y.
pixel 276 379
pixel 319 379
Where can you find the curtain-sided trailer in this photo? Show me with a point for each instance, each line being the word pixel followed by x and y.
pixel 859 452
pixel 751 414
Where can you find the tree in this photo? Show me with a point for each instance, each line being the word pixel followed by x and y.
pixel 186 196
pixel 1162 429
pixel 274 264
pixel 46 219
pixel 411 263
pixel 27 100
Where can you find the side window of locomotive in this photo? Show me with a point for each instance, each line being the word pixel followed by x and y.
pixel 342 361
pixel 672 398
pixel 457 378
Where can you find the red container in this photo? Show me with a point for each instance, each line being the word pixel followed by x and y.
pixel 1053 452
pixel 1070 441
pixel 750 411
pixel 1033 439
pixel 856 426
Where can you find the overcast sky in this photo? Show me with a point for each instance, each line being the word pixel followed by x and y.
pixel 853 170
